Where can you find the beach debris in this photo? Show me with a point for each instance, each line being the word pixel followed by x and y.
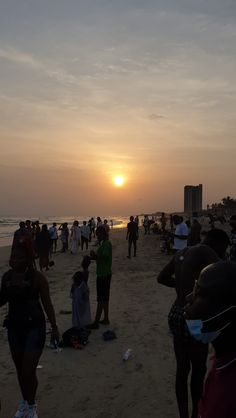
pixel 127 354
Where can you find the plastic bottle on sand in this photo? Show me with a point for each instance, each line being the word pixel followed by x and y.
pixel 127 354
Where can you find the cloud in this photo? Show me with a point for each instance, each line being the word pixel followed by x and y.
pixel 29 61
pixel 155 116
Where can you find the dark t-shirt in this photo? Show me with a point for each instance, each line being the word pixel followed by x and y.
pixel 23 299
pixel 132 230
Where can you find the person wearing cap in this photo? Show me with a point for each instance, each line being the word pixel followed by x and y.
pixel 181 273
pixel 211 318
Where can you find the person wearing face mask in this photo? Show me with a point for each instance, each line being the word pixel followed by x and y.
pixel 211 317
pixel 181 273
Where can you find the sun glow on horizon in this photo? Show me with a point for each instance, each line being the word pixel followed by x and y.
pixel 119 181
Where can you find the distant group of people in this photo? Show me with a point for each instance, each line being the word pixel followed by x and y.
pixel 44 240
pixel 204 310
pixel 26 291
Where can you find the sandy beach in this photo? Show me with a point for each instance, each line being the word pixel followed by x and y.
pixel 95 382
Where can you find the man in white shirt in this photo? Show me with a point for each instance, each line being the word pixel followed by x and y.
pixel 181 233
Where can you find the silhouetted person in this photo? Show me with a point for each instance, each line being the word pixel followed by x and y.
pixel 195 233
pixel 211 317
pixel 43 246
pixel 103 257
pixel 181 273
pixel 132 236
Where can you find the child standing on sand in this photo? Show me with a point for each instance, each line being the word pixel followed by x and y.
pixel 81 314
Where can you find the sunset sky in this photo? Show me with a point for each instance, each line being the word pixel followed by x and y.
pixel 91 89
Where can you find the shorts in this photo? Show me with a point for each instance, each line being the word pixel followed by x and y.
pixel 27 339
pixel 177 323
pixel 103 288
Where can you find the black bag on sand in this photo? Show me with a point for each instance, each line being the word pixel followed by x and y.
pixel 74 337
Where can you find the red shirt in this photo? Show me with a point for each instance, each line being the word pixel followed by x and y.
pixel 219 397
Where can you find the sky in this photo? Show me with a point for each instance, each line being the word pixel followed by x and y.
pixel 90 89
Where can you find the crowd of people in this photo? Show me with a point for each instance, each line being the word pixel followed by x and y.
pixel 201 273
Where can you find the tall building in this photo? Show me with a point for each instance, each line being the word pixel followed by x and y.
pixel 193 198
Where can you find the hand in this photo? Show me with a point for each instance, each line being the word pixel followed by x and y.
pixel 55 334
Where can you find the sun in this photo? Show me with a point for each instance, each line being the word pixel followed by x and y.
pixel 119 181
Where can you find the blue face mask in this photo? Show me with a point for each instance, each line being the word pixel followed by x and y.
pixel 209 329
pixel 195 329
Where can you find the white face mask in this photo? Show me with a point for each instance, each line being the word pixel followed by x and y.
pixel 209 329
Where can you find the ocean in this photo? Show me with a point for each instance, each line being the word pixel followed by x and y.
pixel 8 225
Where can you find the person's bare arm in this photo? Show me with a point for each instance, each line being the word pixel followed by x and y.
pixel 166 276
pixel 47 303
pixel 3 297
pixel 127 233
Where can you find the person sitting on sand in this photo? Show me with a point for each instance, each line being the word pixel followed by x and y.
pixel 103 257
pixel 81 314
pixel 211 317
pixel 181 273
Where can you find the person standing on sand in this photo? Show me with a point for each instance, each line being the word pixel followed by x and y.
pixel 75 237
pixel 93 227
pixel 132 236
pixel 163 222
pixel 106 226
pixel 54 237
pixel 43 247
pixel 85 234
pixel 180 234
pixel 25 289
pixel 181 273
pixel 64 236
pixel 195 233
pixel 211 317
pixel 103 257
pixel 81 315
